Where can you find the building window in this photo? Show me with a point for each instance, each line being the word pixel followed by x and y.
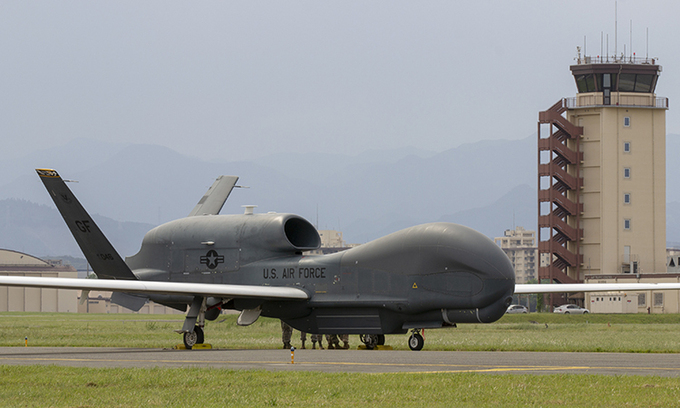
pixel 642 300
pixel 626 147
pixel 626 198
pixel 626 224
pixel 626 172
pixel 658 299
pixel 626 121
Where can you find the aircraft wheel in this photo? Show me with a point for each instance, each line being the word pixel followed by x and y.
pixel 416 342
pixel 381 339
pixel 369 340
pixel 199 335
pixel 190 339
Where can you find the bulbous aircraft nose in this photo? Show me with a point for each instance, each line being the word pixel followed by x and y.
pixel 484 255
pixel 479 256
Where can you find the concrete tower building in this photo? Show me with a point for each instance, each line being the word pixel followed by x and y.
pixel 602 173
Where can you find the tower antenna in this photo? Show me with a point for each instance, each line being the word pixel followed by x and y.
pixel 607 47
pixel 616 28
pixel 631 40
pixel 601 44
pixel 647 47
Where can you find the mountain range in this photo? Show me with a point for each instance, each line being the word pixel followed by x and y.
pixel 488 185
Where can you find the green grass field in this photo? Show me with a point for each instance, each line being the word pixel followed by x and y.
pixel 616 333
pixel 85 387
pixel 29 386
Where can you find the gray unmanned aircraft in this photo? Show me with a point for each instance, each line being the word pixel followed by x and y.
pixel 428 276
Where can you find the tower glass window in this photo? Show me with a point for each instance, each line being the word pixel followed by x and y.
pixel 626 198
pixel 626 121
pixel 626 147
pixel 626 224
pixel 626 172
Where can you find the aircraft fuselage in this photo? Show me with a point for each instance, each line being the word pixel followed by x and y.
pixel 431 275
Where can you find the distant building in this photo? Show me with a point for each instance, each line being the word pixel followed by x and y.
pixel 520 247
pixel 673 260
pixel 19 299
pixel 16 299
pixel 331 239
pixel 602 179
pixel 602 173
pixel 331 242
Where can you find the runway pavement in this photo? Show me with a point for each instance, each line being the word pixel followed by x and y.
pixel 353 361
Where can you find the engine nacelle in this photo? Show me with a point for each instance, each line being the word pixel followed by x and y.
pixel 240 239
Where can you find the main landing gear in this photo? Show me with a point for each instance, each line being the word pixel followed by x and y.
pixel 372 340
pixel 416 341
pixel 194 323
pixel 193 338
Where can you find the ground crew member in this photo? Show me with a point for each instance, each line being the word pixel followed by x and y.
pixel 345 339
pixel 287 333
pixel 317 338
pixel 334 343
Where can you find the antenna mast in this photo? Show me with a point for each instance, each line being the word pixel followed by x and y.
pixel 631 40
pixel 616 28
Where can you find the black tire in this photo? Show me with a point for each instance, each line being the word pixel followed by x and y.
pixel 416 342
pixel 199 335
pixel 585 312
pixel 381 339
pixel 566 312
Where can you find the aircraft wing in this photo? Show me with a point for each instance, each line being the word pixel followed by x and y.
pixel 166 288
pixel 213 200
pixel 592 287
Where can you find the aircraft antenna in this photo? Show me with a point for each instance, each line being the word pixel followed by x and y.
pixel 249 209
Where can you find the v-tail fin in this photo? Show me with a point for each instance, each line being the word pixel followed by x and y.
pixel 213 200
pixel 101 255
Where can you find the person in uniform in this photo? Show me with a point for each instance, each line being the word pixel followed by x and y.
pixel 287 333
pixel 345 340
pixel 317 338
pixel 334 343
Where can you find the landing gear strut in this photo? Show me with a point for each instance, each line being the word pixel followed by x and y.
pixel 416 341
pixel 194 322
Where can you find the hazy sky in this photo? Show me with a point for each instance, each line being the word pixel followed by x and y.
pixel 246 79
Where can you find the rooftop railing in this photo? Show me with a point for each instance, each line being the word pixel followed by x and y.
pixel 613 59
pixel 616 99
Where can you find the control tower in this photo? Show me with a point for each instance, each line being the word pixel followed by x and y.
pixel 602 173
